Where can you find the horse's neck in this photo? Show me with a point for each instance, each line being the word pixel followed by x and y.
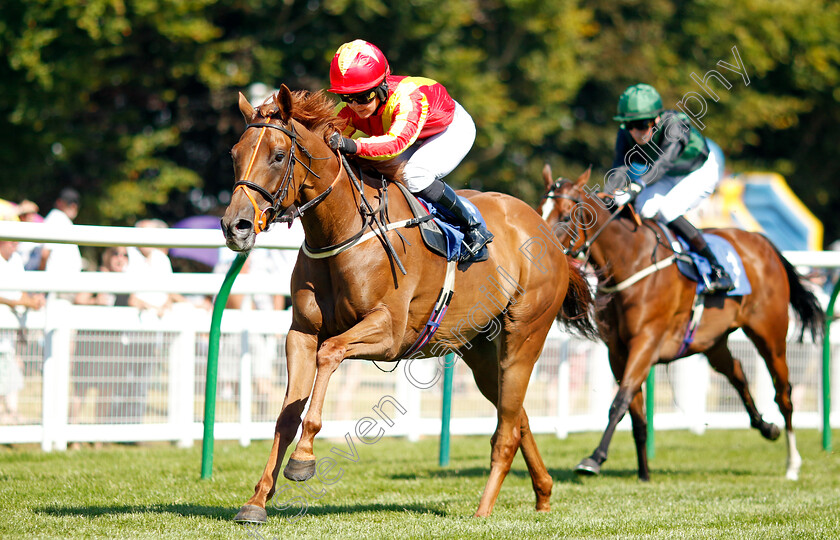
pixel 337 217
pixel 622 248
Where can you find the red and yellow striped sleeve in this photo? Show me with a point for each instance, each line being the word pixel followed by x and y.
pixel 417 107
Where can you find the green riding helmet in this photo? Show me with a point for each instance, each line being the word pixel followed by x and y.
pixel 638 102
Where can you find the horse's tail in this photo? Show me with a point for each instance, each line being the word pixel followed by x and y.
pixel 577 312
pixel 804 302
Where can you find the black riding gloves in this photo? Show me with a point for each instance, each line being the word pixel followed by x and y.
pixel 337 142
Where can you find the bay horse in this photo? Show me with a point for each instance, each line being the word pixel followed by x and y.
pixel 644 322
pixel 350 302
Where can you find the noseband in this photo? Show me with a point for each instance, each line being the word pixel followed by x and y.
pixel 264 218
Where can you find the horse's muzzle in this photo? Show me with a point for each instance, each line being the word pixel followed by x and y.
pixel 239 233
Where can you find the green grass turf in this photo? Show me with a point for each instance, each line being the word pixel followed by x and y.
pixel 724 484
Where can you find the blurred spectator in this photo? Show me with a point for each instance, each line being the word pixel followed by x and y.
pixel 11 264
pixel 108 369
pixel 264 349
pixel 11 366
pixel 62 257
pixel 151 262
pixel 28 212
pixel 114 259
pixel 8 210
pixel 101 358
pixel 274 265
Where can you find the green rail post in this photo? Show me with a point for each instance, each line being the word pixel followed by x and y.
pixel 446 409
pixel 649 400
pixel 826 378
pixel 213 365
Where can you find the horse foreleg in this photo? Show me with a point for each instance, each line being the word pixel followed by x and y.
pixel 300 349
pixel 641 354
pixel 301 465
pixel 370 337
pixel 637 415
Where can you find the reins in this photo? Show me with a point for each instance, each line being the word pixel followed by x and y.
pixel 587 241
pixel 370 212
pixel 264 218
pixel 587 244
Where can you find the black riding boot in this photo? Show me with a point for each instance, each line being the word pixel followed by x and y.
pixel 477 236
pixel 719 280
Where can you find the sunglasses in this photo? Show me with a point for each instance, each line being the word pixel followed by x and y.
pixel 362 98
pixel 640 125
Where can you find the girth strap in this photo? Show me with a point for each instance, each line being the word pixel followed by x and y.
pixel 443 301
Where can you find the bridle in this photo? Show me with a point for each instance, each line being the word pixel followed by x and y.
pixel 587 241
pixel 264 218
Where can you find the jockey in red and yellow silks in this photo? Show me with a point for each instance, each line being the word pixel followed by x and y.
pixel 410 119
pixel 416 108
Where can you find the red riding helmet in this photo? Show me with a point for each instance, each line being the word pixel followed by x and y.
pixel 357 66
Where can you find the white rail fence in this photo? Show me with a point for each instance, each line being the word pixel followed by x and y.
pixel 118 374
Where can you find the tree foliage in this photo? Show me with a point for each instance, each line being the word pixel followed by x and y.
pixel 134 101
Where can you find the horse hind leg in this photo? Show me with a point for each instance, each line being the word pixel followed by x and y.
pixel 540 478
pixel 774 352
pixel 721 359
pixel 488 383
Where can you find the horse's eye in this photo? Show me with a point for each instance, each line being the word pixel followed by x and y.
pixel 279 155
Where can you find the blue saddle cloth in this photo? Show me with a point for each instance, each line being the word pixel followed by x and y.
pixel 453 233
pixel 726 256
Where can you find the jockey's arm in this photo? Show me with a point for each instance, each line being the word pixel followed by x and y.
pixel 407 122
pixel 671 150
pixel 676 137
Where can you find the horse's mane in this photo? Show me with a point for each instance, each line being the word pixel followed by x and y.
pixel 314 110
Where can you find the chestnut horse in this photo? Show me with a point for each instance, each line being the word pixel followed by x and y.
pixel 351 302
pixel 645 323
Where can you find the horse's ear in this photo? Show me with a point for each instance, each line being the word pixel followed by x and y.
pixel 246 108
pixel 547 179
pixel 584 178
pixel 283 100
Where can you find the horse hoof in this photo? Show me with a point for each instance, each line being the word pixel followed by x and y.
pixel 588 467
pixel 299 470
pixel 251 513
pixel 771 432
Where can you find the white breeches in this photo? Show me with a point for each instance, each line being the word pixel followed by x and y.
pixel 431 159
pixel 672 196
